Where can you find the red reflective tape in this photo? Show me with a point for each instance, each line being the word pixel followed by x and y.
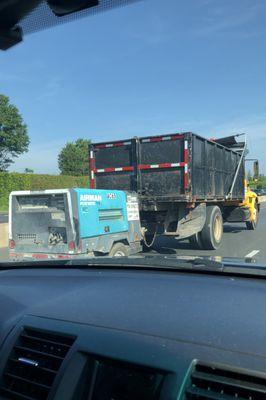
pixel 91 164
pixel 177 137
pixel 128 168
pixel 144 140
pixel 16 255
pixel 92 170
pixel 162 138
pixel 165 165
pixel 142 166
pixel 114 169
pixel 110 145
pixel 186 152
pixel 40 256
pixel 63 256
pixel 186 177
pixel 119 144
pixel 171 165
pixel 186 156
pixel 109 169
pixel 186 180
pixel 162 165
pixel 92 180
pixel 186 160
pixel 156 139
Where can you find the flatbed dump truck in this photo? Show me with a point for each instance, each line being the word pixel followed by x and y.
pixel 187 186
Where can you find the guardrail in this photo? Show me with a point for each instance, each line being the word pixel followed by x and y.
pixel 3 217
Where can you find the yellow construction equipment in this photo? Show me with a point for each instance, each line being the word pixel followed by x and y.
pixel 252 202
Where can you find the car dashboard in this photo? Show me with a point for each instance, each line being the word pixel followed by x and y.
pixel 117 334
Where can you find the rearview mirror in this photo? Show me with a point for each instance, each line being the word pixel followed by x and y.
pixel 63 7
pixel 256 169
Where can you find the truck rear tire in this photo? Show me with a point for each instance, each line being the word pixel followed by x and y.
pixel 250 225
pixel 212 232
pixel 196 241
pixel 119 250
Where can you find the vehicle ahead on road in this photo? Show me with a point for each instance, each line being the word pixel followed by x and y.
pixel 260 192
pixel 67 223
pixel 187 185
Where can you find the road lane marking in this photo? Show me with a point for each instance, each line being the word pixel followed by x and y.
pixel 252 254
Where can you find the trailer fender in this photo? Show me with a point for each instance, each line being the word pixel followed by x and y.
pixel 119 250
pixel 103 244
pixel 190 220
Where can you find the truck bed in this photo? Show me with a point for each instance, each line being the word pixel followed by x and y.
pixel 181 167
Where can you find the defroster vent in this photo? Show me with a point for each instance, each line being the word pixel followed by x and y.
pixel 33 364
pixel 209 382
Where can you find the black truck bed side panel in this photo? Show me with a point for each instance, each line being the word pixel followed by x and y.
pixel 155 167
pixel 121 154
pixel 212 170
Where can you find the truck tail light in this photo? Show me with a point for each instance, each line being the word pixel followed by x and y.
pixel 71 246
pixel 12 244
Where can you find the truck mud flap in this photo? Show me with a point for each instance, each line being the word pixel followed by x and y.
pixel 190 221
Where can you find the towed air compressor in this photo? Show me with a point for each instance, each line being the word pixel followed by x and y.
pixel 70 223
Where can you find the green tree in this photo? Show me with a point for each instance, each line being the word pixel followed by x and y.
pixel 29 171
pixel 14 139
pixel 73 158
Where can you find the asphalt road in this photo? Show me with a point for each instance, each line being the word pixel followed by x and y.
pixel 237 242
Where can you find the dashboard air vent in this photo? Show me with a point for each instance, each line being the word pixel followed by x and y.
pixel 33 364
pixel 219 383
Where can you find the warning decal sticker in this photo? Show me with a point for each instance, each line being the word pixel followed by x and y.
pixel 132 208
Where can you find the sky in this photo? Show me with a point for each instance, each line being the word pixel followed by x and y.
pixel 153 67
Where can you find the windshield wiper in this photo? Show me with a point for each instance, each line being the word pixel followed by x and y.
pixel 136 261
pixel 156 263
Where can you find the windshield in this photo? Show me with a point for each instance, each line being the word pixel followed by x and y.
pixel 135 131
